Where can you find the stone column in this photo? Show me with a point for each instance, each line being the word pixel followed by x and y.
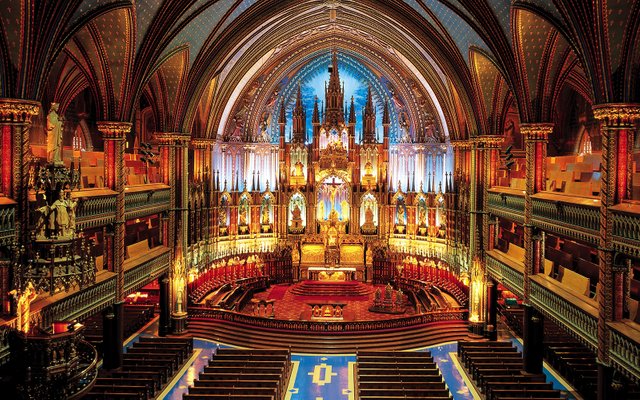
pixel 114 134
pixel 618 123
pixel 176 147
pixel 536 137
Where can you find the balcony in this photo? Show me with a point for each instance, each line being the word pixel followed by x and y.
pixel 626 228
pixel 574 217
pixel 507 203
pixel 83 303
pixel 7 220
pixel 509 272
pixel 97 207
pixel 143 200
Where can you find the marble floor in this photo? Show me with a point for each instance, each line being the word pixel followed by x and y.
pixel 330 377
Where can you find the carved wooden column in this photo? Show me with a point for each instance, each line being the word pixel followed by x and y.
pixel 536 136
pixel 114 134
pixel 15 121
pixel 175 155
pixel 618 124
pixel 488 155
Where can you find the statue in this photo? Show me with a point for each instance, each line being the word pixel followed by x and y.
pixel 59 217
pixel 320 213
pixel 368 168
pixel 243 214
pixel 345 210
pixel 41 223
pixel 368 215
pixel 266 219
pixel 369 257
pixel 422 216
pixel 71 211
pixel 299 169
pixel 296 213
pixel 400 214
pixel 54 136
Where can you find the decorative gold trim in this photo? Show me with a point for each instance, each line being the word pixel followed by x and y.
pixel 202 143
pixel 616 113
pixel 114 130
pixel 18 110
pixel 536 131
pixel 461 144
pixel 172 138
pixel 489 141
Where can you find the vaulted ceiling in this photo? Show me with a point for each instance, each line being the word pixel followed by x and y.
pixel 194 59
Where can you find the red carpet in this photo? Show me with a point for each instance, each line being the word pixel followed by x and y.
pixel 278 292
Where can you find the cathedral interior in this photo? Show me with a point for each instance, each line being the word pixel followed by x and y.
pixel 320 199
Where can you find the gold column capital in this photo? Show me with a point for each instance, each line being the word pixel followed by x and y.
pixel 489 141
pixel 172 138
pixel 538 131
pixel 461 144
pixel 114 130
pixel 18 110
pixel 617 113
pixel 202 143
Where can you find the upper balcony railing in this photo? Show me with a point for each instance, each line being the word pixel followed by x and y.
pixel 7 219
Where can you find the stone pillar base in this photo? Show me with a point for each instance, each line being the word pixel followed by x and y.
pixel 179 322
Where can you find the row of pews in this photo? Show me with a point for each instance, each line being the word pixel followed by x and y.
pixel 496 369
pixel 383 375
pixel 148 365
pixel 573 360
pixel 243 374
pixel 135 317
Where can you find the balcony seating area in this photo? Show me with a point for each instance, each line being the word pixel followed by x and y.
pixel 382 375
pixel 573 264
pixel 496 369
pixel 243 374
pixel 574 175
pixel 148 366
pixel 135 317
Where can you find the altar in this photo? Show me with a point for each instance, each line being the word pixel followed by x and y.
pixel 328 273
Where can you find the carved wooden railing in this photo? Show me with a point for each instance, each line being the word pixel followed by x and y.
pixel 143 200
pixel 95 209
pixel 624 350
pixel 7 221
pixel 582 324
pixel 507 205
pixel 89 301
pixel 82 382
pixel 571 219
pixel 626 229
pixel 512 278
pixel 327 327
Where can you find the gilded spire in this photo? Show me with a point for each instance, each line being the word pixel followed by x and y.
pixel 352 112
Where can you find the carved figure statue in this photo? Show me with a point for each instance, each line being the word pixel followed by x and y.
pixel 266 219
pixel 41 222
pixel 422 216
pixel 71 211
pixel 296 213
pixel 54 136
pixel 400 214
pixel 368 216
pixel 368 168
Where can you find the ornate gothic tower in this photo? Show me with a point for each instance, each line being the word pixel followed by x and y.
pixel 299 120
pixel 334 96
pixel 369 120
